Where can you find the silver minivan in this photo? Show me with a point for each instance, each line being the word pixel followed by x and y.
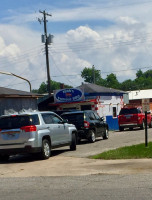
pixel 34 132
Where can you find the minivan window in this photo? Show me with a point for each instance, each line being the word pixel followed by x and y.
pixel 17 121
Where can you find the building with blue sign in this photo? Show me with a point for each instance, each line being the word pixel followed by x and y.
pixel 107 102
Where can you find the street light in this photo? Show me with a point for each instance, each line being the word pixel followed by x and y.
pixel 11 74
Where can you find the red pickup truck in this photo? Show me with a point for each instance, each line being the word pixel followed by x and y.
pixel 133 117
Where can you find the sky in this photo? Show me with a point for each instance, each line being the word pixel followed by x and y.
pixel 113 35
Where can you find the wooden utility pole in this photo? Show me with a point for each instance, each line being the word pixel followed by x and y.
pixel 46 49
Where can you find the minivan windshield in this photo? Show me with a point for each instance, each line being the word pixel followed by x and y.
pixel 18 121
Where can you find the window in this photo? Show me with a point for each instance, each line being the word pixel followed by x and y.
pixel 51 119
pixel 92 117
pixel 126 111
pixel 18 121
pixel 47 118
pixel 114 112
pixel 86 107
pixel 97 116
pixel 56 119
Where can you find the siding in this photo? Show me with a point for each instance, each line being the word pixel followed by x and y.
pixel 11 105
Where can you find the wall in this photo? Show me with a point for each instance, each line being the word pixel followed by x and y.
pixel 11 105
pixel 109 108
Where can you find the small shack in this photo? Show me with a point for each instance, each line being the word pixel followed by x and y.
pixel 12 101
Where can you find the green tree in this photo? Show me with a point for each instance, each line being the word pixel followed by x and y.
pixel 139 73
pixel 112 82
pixel 127 85
pixel 54 86
pixel 43 88
pixel 89 74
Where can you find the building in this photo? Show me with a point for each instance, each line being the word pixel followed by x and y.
pixel 107 102
pixel 12 101
pixel 136 97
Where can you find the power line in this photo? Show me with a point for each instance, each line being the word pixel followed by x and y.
pixel 96 46
pixel 59 70
pixel 21 60
pixel 29 51
pixel 133 69
pixel 139 36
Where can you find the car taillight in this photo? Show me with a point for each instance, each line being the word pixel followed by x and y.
pixel 29 128
pixel 86 124
pixel 0 129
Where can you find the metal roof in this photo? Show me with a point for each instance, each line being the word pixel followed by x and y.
pixel 7 92
pixel 93 88
pixel 140 94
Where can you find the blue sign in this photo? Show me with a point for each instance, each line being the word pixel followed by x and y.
pixel 68 95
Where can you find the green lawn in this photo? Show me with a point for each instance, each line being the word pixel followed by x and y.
pixel 130 152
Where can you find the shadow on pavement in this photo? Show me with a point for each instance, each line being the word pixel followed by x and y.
pixel 25 158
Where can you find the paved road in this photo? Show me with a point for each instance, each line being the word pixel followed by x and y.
pixel 66 174
pixel 95 187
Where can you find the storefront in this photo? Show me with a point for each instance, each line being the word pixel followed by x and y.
pixel 107 102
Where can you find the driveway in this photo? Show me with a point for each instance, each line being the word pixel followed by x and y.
pixel 66 163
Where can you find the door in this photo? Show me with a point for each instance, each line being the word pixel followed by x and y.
pixel 96 122
pixel 100 123
pixel 58 131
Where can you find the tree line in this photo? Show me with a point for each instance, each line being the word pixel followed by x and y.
pixel 143 80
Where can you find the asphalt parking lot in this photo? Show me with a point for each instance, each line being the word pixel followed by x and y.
pixel 76 163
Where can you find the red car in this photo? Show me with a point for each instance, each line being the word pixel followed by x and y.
pixel 133 117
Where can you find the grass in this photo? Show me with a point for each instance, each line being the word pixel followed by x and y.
pixel 130 152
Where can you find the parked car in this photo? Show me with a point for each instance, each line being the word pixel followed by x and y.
pixel 35 132
pixel 130 117
pixel 88 123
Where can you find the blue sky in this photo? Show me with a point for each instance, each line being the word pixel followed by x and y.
pixel 112 35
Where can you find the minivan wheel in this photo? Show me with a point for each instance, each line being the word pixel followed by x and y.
pixel 92 137
pixel 4 158
pixel 106 134
pixel 73 143
pixel 46 149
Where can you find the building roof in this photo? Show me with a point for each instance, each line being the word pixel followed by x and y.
pixel 7 92
pixel 140 94
pixel 93 88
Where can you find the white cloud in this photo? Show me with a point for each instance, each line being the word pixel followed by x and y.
pixel 10 50
pixel 82 33
pixel 124 45
pixel 128 20
pixel 21 54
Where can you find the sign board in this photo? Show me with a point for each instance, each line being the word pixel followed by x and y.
pixel 68 95
pixel 145 105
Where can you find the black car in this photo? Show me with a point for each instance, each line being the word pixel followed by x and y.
pixel 88 124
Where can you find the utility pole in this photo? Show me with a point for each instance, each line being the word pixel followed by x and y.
pixel 47 40
pixel 93 70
